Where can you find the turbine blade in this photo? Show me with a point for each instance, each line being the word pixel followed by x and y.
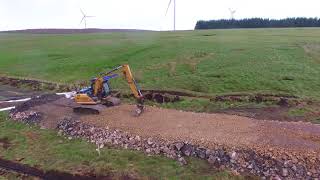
pixel 82 12
pixel 82 19
pixel 90 16
pixel 168 6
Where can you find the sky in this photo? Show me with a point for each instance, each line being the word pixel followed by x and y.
pixel 142 14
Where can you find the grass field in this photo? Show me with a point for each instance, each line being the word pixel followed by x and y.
pixel 209 62
pixel 45 150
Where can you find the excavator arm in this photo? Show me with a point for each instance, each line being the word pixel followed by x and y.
pixel 126 71
pixel 132 83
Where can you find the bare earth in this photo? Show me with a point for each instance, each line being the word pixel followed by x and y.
pixel 211 130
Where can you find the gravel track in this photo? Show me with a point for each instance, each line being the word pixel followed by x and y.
pixel 260 147
pixel 211 130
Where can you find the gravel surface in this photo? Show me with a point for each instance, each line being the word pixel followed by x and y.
pixel 244 161
pixel 211 130
pixel 270 149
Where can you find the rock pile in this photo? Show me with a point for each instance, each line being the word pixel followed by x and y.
pixel 238 160
pixel 28 117
pixel 23 112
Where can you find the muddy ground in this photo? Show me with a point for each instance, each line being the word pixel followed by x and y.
pixel 9 93
pixel 34 85
pixel 280 107
pixel 12 93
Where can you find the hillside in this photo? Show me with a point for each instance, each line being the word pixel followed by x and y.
pixel 71 31
pixel 209 62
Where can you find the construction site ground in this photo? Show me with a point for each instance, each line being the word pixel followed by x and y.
pixel 208 130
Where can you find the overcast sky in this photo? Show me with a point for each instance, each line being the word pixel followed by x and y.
pixel 142 14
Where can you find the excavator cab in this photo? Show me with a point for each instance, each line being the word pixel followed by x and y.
pixel 105 88
pixel 98 90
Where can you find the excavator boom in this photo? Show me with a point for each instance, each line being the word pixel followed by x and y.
pixel 133 86
pixel 132 83
pixel 129 78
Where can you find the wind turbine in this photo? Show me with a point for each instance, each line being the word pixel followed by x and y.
pixel 84 19
pixel 174 13
pixel 232 12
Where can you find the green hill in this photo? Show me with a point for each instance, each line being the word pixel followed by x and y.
pixel 209 62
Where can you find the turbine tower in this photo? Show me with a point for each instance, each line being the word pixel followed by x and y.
pixel 84 19
pixel 174 13
pixel 232 12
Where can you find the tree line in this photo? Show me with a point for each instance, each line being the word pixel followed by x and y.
pixel 258 23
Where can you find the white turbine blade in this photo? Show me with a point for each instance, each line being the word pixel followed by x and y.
pixel 90 16
pixel 82 12
pixel 168 6
pixel 82 19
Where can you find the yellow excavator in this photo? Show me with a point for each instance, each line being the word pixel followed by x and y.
pixel 91 99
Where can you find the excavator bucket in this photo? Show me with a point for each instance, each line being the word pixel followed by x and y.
pixel 139 110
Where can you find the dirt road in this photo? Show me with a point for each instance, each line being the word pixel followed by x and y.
pixel 211 129
pixel 263 148
pixel 204 129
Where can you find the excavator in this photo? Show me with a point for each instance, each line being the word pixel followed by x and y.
pixel 92 99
